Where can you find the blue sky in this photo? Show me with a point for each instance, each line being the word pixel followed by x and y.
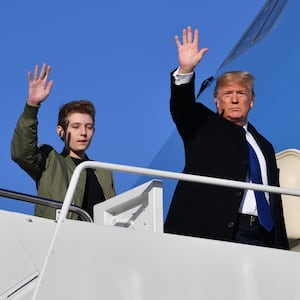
pixel 116 53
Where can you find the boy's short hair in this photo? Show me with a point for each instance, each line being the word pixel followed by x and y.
pixel 76 106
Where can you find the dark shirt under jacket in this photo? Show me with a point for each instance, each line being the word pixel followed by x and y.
pixel 214 147
pixel 93 193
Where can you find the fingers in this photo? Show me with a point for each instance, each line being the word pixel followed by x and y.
pixel 196 36
pixel 29 75
pixel 177 41
pixel 49 86
pixel 45 72
pixel 184 36
pixel 187 36
pixel 36 72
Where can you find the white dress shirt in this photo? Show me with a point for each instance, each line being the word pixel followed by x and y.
pixel 248 204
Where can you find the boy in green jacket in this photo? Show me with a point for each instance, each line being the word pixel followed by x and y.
pixel 52 171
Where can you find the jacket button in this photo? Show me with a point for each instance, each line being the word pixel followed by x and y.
pixel 230 225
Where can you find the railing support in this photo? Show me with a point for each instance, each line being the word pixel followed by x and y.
pixel 147 172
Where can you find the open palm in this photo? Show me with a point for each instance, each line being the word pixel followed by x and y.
pixel 39 88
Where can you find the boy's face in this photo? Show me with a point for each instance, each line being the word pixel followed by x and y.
pixel 78 135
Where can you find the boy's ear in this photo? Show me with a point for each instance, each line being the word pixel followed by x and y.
pixel 60 131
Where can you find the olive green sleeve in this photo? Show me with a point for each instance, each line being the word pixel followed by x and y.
pixel 24 149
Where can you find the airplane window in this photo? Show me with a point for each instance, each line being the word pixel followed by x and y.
pixel 259 28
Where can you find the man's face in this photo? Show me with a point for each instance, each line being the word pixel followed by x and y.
pixel 78 135
pixel 234 102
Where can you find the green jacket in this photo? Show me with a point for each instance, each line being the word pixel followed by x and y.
pixel 50 170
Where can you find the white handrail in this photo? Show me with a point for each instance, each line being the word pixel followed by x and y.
pixel 153 173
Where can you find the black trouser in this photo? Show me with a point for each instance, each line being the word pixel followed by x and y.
pixel 250 232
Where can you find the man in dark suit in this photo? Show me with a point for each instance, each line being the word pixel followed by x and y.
pixel 216 145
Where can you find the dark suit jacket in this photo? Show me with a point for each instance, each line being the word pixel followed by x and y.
pixel 214 147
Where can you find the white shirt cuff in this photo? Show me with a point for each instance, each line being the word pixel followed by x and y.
pixel 182 78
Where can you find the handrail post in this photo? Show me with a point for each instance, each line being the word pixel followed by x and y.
pixel 71 190
pixel 62 216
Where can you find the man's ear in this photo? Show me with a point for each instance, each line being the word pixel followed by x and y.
pixel 217 103
pixel 60 131
pixel 252 101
